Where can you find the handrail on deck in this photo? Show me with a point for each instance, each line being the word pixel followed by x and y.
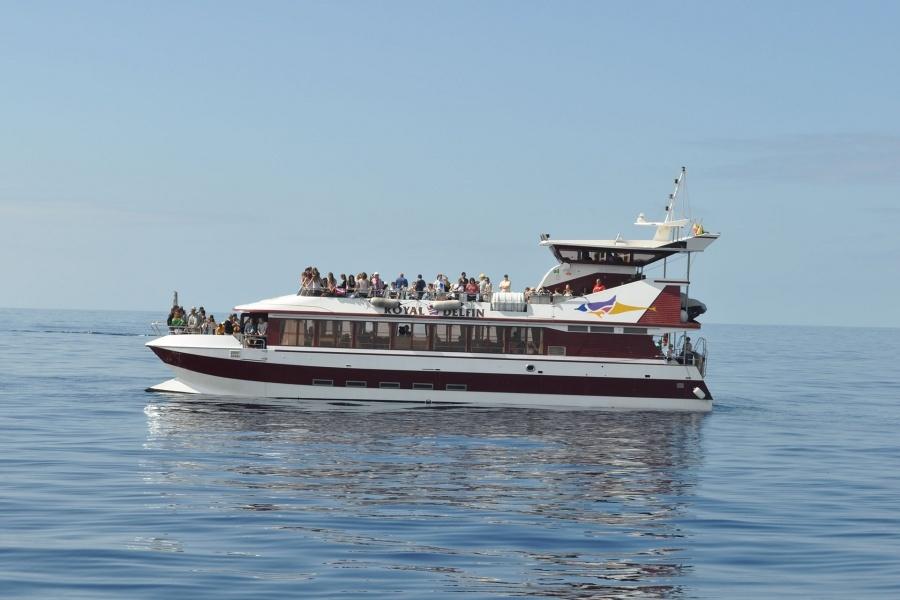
pixel 162 328
pixel 407 294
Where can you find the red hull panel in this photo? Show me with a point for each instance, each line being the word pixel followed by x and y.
pixel 532 383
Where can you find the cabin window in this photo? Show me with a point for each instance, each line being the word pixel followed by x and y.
pixel 450 338
pixel 373 335
pixel 325 382
pixel 630 257
pixel 525 340
pixel 297 332
pixel 422 386
pixel 578 327
pixel 411 336
pixel 390 385
pixel 556 350
pixel 457 387
pixel 335 334
pixel 601 329
pixel 353 383
pixel 635 330
pixel 487 338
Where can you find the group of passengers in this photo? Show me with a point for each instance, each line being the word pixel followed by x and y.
pixel 197 321
pixel 361 285
pixel 684 354
pixel 564 292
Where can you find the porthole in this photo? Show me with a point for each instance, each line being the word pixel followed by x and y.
pixel 529 368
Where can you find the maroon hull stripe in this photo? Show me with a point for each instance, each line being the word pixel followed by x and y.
pixel 475 382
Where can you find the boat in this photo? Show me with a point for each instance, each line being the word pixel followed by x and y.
pixel 631 344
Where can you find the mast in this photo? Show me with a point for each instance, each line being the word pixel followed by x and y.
pixel 667 229
pixel 673 197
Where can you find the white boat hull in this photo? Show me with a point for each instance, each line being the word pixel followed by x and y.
pixel 217 366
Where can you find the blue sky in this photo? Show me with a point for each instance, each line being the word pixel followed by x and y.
pixel 217 148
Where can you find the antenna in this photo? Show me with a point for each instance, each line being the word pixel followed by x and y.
pixel 673 197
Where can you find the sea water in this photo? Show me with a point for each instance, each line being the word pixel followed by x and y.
pixel 789 488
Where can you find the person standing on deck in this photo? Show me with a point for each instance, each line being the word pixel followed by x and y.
pixel 420 286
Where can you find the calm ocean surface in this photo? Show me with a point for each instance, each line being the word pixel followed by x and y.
pixel 790 488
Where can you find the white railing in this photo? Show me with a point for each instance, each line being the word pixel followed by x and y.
pixel 694 354
pixel 162 328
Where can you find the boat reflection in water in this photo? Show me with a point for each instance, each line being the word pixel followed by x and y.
pixel 492 501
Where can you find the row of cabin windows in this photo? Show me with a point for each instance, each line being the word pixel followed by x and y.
pixel 631 258
pixel 391 385
pixel 381 335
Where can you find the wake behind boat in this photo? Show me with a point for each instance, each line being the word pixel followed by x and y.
pixel 624 342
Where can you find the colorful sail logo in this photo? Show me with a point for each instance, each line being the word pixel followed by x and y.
pixel 610 307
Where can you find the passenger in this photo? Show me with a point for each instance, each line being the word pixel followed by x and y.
pixel 235 324
pixel 305 278
pixel 228 326
pixel 598 287
pixel 506 284
pixel 439 283
pixel 670 353
pixel 362 285
pixel 351 285
pixel 211 325
pixel 528 294
pixel 401 283
pixel 315 284
pixel 177 325
pixel 460 287
pixel 171 316
pixel 331 284
pixel 567 291
pixel 429 293
pixel 193 321
pixel 420 286
pixel 485 288
pixel 377 284
pixel 472 290
pixel 688 348
pixel 220 328
pixel 262 327
pixel 445 281
pixel 250 327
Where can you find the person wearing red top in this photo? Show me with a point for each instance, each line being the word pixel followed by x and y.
pixel 471 289
pixel 598 287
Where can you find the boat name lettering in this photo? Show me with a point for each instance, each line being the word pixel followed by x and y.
pixel 472 313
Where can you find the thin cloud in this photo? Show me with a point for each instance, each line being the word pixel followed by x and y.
pixel 76 211
pixel 828 159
